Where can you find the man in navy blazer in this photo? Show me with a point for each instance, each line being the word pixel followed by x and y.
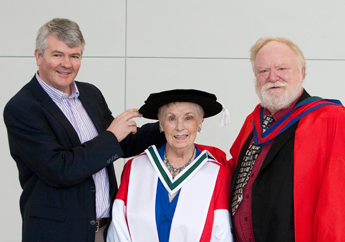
pixel 64 140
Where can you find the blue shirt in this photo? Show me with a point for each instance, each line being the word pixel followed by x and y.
pixel 165 210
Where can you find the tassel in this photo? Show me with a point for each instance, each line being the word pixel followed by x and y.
pixel 224 118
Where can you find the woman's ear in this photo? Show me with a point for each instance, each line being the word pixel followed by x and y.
pixel 160 128
pixel 200 124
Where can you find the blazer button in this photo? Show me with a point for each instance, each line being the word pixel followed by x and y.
pixel 92 189
pixel 93 222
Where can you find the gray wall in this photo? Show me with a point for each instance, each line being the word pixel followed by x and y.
pixel 136 47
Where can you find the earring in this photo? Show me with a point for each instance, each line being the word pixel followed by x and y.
pixel 199 129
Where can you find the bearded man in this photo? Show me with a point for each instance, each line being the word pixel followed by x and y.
pixel 290 158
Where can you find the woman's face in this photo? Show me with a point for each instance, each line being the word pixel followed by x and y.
pixel 180 122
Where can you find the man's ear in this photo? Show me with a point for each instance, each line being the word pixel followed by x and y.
pixel 302 73
pixel 38 57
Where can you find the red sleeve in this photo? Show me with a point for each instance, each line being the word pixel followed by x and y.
pixel 246 130
pixel 319 170
pixel 220 200
pixel 123 189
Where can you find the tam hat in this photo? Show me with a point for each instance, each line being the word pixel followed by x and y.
pixel 207 101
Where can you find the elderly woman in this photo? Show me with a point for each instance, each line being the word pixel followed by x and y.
pixel 179 192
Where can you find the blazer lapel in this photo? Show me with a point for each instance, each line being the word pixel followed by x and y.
pixel 279 143
pixel 48 104
pixel 281 139
pixel 91 108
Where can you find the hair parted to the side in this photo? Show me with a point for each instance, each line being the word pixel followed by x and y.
pixel 265 40
pixel 64 29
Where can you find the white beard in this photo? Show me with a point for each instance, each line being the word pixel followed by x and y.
pixel 273 100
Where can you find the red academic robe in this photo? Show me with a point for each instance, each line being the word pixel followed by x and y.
pixel 319 168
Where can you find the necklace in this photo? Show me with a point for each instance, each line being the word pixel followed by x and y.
pixel 174 170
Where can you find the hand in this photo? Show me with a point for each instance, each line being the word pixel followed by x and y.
pixel 123 124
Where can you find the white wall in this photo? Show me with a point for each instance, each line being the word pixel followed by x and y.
pixel 136 47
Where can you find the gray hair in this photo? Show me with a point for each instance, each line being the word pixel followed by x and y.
pixel 198 108
pixel 265 40
pixel 64 29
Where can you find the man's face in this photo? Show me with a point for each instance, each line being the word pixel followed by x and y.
pixel 59 64
pixel 278 76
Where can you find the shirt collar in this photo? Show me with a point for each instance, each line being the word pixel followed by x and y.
pixel 56 94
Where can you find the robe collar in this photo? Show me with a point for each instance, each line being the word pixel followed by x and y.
pixel 170 184
pixel 299 111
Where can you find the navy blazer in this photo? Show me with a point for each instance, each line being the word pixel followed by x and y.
pixel 55 170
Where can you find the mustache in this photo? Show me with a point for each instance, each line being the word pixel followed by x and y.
pixel 269 85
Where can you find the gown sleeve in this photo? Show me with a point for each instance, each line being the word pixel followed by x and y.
pixel 221 229
pixel 118 228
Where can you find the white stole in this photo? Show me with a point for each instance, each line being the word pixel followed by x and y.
pixel 192 206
